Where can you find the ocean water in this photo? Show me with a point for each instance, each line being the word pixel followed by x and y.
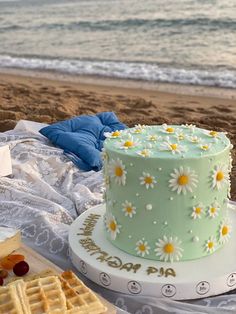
pixel 184 41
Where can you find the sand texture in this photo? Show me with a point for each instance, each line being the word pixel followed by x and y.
pixel 48 101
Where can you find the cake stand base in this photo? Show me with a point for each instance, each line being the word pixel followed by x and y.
pixel 95 257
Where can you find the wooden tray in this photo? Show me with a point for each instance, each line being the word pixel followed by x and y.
pixel 38 263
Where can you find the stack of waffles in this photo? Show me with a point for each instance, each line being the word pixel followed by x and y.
pixel 49 293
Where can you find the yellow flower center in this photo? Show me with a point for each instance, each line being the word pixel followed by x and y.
pixel 129 209
pixel 152 138
pixel 213 210
pixel 219 176
pixel 181 137
pixel 213 133
pixel 225 230
pixel 128 144
pixel 205 147
pixel 210 245
pixel 138 131
pixel 112 225
pixel 118 171
pixel 169 248
pixel 144 153
pixel 183 180
pixel 198 210
pixel 142 247
pixel 170 130
pixel 148 180
pixel 174 146
pixel 115 134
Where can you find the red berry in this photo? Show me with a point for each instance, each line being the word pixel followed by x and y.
pixel 1 281
pixel 21 268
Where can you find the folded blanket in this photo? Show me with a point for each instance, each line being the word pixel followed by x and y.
pixel 82 137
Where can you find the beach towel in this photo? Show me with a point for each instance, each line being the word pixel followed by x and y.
pixel 82 137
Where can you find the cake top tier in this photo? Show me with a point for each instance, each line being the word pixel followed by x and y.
pixel 167 141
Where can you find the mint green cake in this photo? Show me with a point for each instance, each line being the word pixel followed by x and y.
pixel 167 189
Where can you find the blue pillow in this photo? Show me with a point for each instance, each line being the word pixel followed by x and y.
pixel 82 137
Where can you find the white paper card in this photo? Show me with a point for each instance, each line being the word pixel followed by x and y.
pixel 5 161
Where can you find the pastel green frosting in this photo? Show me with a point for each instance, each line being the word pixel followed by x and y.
pixel 162 214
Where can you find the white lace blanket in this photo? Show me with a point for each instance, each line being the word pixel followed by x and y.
pixel 47 192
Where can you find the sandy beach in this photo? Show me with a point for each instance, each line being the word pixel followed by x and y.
pixel 49 98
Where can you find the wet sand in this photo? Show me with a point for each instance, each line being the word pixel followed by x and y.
pixel 49 98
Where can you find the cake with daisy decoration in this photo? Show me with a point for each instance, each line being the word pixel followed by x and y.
pixel 167 189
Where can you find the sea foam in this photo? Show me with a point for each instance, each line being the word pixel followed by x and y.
pixel 126 70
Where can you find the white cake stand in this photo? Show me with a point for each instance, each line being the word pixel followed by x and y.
pixel 94 256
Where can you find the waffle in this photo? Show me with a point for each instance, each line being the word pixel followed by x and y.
pixel 47 293
pixel 9 302
pixel 78 296
pixel 42 295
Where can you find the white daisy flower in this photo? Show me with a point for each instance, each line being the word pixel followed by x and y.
pixel 195 139
pixel 210 245
pixel 138 129
pixel 168 129
pixel 213 210
pixel 205 147
pixel 225 231
pixel 144 153
pixel 220 176
pixel 197 211
pixel 169 249
pixel 117 171
pixel 128 143
pixel 141 126
pixel 114 134
pixel 183 180
pixel 147 180
pixel 153 138
pixel 128 209
pixel 180 136
pixel 191 127
pixel 112 226
pixel 174 148
pixel 142 247
pixel 213 134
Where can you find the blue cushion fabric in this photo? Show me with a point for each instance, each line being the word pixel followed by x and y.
pixel 82 137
